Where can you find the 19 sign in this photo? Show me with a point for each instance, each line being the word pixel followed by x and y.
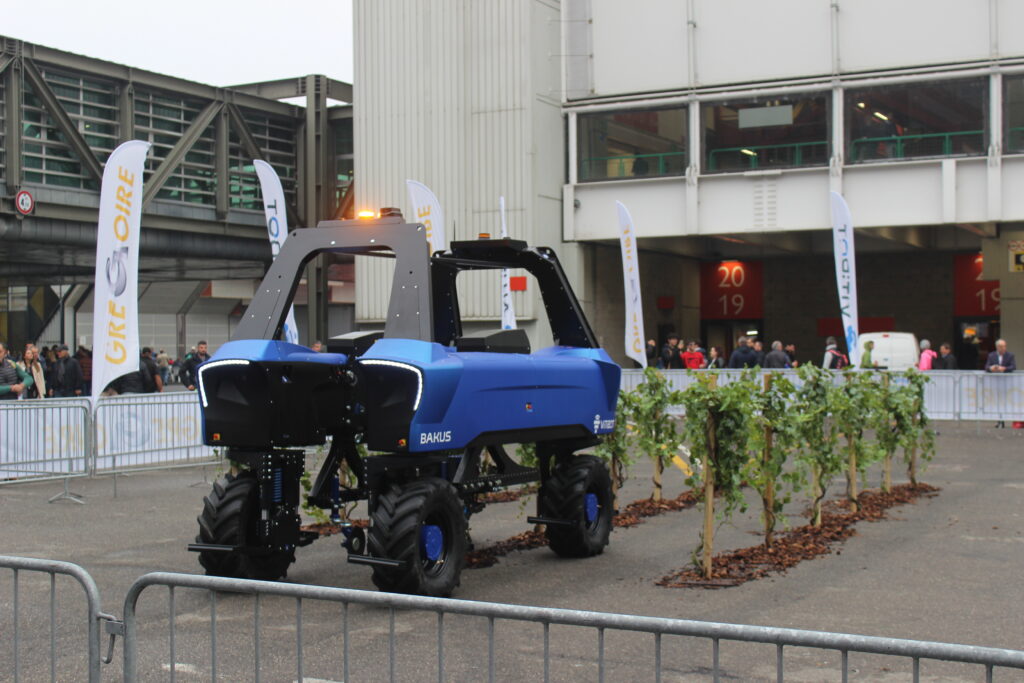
pixel 731 290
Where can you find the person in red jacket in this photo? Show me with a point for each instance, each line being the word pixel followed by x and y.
pixel 692 358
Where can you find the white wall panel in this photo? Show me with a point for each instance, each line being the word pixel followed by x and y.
pixel 971 190
pixel 741 41
pixel 1010 19
pixel 894 194
pixel 1013 181
pixel 452 101
pixel 639 47
pixel 658 208
pixel 880 34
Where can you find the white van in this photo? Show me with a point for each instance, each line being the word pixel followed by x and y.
pixel 893 350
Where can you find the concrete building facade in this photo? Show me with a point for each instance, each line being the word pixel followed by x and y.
pixel 722 125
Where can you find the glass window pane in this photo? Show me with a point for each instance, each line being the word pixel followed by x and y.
pixel 944 118
pixel 646 143
pixel 767 132
pixel 1014 106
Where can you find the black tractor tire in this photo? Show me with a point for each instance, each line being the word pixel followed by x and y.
pixel 230 515
pixel 564 497
pixel 399 527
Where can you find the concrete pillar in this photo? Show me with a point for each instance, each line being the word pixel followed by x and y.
pixel 1002 263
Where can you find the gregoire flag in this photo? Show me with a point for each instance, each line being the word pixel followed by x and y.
pixel 846 273
pixel 508 312
pixel 635 347
pixel 115 318
pixel 277 229
pixel 427 210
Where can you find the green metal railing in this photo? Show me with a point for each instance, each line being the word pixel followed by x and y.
pixel 625 166
pixel 896 146
pixel 797 151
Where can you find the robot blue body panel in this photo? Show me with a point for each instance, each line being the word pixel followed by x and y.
pixel 467 395
pixel 459 398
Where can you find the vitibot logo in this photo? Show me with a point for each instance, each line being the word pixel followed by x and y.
pixel 597 422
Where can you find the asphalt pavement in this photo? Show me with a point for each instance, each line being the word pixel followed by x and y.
pixel 946 568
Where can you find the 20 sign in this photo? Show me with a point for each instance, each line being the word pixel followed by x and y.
pixel 731 290
pixel 973 296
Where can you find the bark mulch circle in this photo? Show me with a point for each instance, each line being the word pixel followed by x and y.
pixel 803 543
pixel 509 495
pixel 631 515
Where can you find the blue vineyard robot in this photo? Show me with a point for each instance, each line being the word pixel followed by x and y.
pixel 426 400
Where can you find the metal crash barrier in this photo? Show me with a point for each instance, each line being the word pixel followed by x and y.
pixel 149 431
pixel 949 394
pixel 47 439
pixel 431 621
pixel 64 438
pixel 91 626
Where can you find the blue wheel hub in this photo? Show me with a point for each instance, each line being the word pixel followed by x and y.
pixel 431 542
pixel 590 507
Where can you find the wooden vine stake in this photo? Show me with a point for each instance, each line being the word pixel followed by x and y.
pixel 616 468
pixel 709 486
pixel 659 469
pixel 851 475
pixel 769 491
pixel 887 467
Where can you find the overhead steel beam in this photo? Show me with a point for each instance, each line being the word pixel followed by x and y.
pixel 5 61
pixel 177 154
pixel 13 127
pixel 126 112
pixel 221 163
pixel 147 79
pixel 912 236
pixel 987 229
pixel 60 117
pixel 295 87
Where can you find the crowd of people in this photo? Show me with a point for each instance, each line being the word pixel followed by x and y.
pixel 53 372
pixel 750 353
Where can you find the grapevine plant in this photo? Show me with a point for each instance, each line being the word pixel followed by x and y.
pixel 655 430
pixel 854 408
pixel 775 431
pixel 614 446
pixel 716 427
pixel 919 438
pixel 817 433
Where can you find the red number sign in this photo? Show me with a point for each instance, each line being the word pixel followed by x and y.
pixel 731 290
pixel 973 296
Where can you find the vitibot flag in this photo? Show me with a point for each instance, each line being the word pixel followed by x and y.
pixel 635 347
pixel 427 211
pixel 846 273
pixel 508 312
pixel 277 229
pixel 115 318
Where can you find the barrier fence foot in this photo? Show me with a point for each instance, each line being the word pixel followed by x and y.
pixel 67 495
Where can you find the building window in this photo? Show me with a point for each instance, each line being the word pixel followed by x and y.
pixel 161 120
pixel 1013 98
pixel 276 140
pixel 647 143
pixel 766 133
pixel 92 108
pixel 917 120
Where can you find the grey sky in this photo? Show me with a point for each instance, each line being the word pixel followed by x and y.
pixel 217 42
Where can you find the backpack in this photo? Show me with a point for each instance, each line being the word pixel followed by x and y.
pixel 840 360
pixel 146 374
